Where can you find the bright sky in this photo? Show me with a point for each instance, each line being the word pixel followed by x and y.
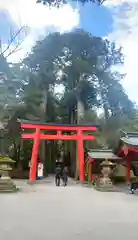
pixel 117 19
pixel 125 33
pixel 39 19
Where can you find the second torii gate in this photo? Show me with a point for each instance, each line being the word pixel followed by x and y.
pixel 79 136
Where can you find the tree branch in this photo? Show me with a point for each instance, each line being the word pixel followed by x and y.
pixel 16 49
pixel 60 2
pixel 12 40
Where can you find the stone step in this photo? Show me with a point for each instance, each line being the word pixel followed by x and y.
pixel 7 185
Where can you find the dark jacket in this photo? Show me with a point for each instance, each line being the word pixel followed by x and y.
pixel 65 174
pixel 58 171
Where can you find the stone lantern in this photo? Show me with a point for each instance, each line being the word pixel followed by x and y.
pixel 6 183
pixel 105 182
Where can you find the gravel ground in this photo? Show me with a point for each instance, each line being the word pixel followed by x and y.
pixel 44 211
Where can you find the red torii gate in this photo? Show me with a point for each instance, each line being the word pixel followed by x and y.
pixel 37 136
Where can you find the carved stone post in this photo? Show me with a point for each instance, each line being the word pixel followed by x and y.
pixel 6 184
pixel 105 182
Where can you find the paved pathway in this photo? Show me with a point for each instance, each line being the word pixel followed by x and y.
pixel 46 212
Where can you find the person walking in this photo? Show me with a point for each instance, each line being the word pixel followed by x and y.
pixel 134 180
pixel 57 175
pixel 65 176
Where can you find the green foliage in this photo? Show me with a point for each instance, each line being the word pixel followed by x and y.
pixel 25 154
pixel 60 2
pixel 116 98
pixel 7 85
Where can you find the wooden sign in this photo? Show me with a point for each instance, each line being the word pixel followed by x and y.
pixel 40 169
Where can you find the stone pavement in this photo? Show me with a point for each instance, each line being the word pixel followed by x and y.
pixel 75 212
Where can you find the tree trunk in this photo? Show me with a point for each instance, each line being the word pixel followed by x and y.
pixel 72 144
pixel 80 111
pixel 18 153
pixel 80 117
pixel 44 118
pixel 106 111
pixel 103 93
pixel 15 153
